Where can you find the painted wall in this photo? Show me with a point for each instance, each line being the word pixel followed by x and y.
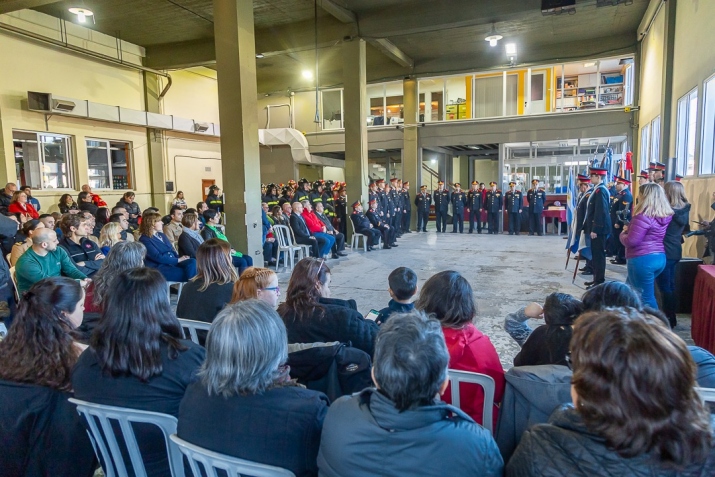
pixel 651 83
pixel 486 170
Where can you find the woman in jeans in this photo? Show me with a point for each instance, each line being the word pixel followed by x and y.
pixel 675 193
pixel 643 239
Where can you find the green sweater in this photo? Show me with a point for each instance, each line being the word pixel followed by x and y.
pixel 31 268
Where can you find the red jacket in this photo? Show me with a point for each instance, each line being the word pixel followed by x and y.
pixel 312 221
pixel 16 208
pixel 471 350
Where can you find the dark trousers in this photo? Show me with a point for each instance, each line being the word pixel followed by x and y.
pixel 514 223
pixel 535 224
pixel 422 218
pixel 475 216
pixel 181 272
pixel 493 221
pixel 396 223
pixel 339 245
pixel 314 249
pixel 373 236
pixel 598 261
pixel 666 285
pixel 389 235
pixel 406 216
pixel 270 250
pixel 458 221
pixel 242 263
pixel 441 220
pixel 619 250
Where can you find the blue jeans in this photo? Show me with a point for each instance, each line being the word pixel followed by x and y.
pixel 641 275
pixel 242 263
pixel 666 279
pixel 325 241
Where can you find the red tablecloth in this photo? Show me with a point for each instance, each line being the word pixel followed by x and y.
pixel 555 214
pixel 703 324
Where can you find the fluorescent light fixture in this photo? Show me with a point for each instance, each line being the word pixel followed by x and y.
pixel 434 161
pixel 307 74
pixel 380 150
pixel 260 55
pixel 82 13
pixel 510 49
pixel 589 64
pixel 493 37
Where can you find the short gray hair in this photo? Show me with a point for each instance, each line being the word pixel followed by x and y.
pixel 245 347
pixel 411 359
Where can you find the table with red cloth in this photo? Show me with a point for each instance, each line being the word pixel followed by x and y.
pixel 558 214
pixel 703 324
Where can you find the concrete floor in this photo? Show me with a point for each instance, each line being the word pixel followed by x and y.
pixel 506 272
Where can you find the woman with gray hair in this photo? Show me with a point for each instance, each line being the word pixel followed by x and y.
pixel 122 256
pixel 245 404
pixel 402 427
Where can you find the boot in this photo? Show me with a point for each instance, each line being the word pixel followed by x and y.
pixel 669 301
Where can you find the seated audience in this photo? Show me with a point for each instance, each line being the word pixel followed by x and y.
pixel 245 404
pixel 173 229
pixel 91 222
pixel 201 207
pixel 160 254
pixel 179 201
pixel 20 205
pixel 277 216
pixel 48 220
pixel 259 283
pixel 123 221
pixel 339 245
pixel 302 233
pixel 85 254
pixel 138 358
pixel 40 431
pixel 549 343
pixel 402 283
pixel 123 256
pixel 31 200
pixel 270 246
pixel 190 238
pixel 28 229
pixel 317 229
pixel 67 204
pixel 100 220
pixel 362 226
pixel 109 236
pixel 44 259
pixel 208 292
pixel 447 296
pixel 132 208
pixel 211 230
pixel 96 198
pixel 635 411
pixel 309 319
pixel 85 203
pixel 402 428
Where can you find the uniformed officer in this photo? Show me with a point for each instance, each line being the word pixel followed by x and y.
pixel 390 201
pixel 388 233
pixel 643 178
pixel 362 225
pixel 474 207
pixel 317 194
pixel 372 195
pixel 341 210
pixel 598 225
pixel 657 173
pixel 441 206
pixel 536 197
pixel 396 196
pixel 623 202
pixel 329 199
pixel 459 201
pixel 271 198
pixel 382 200
pixel 407 208
pixel 423 201
pixel 303 192
pixel 514 206
pixel 493 204
pixel 584 187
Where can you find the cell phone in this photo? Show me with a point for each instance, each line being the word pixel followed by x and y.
pixel 372 315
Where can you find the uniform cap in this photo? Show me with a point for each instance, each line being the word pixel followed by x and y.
pixel 406 183
pixel 373 201
pixel 394 179
pixel 584 178
pixel 380 181
pixel 644 174
pixel 356 203
pixel 475 183
pixel 534 181
pixel 656 166
pixel 594 171
pixel 423 187
pixel 678 177
pixel 492 183
pixel 440 183
pixel 512 183
pixel 457 184
pixel 623 180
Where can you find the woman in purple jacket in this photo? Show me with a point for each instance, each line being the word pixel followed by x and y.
pixel 643 239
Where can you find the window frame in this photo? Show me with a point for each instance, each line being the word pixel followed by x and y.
pixel 69 159
pixel 655 140
pixel 707 126
pixel 130 162
pixel 682 141
pixel 645 146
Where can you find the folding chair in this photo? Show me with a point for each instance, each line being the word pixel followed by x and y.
pixel 13 278
pixel 286 246
pixel 356 237
pixel 179 286
pixel 706 394
pixel 192 326
pixel 99 418
pixel 486 382
pixel 210 461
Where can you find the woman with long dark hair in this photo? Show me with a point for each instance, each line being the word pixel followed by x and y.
pixel 67 204
pixel 138 358
pixel 41 431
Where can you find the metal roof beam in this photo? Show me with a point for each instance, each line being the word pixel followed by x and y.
pixel 390 50
pixel 338 11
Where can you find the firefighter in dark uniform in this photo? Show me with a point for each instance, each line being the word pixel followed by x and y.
pixel 624 203
pixel 287 194
pixel 362 226
pixel 493 204
pixel 584 187
pixel 341 211
pixel 317 194
pixel 441 206
pixel 598 225
pixel 514 206
pixel 406 208
pixel 271 198
pixel 459 201
pixel 474 207
pixel 423 202
pixel 329 200
pixel 214 199
pixel 303 192
pixel 537 198
pixel 388 233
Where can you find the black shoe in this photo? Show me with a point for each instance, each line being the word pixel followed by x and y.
pixel 592 284
pixel 618 262
pixel 424 230
pixel 342 254
pixel 479 232
pixel 334 256
pixel 369 249
pixel 583 269
pixel 587 273
pixel 531 233
pixel 394 245
pixel 386 247
pixel 408 232
pixel 588 284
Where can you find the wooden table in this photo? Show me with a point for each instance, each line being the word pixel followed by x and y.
pixel 555 215
pixel 703 324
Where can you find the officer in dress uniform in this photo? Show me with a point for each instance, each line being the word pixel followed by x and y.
pixel 362 225
pixel 514 206
pixel 459 201
pixel 474 207
pixel 657 173
pixel 372 195
pixel 536 197
pixel 493 204
pixel 623 202
pixel 598 225
pixel 382 200
pixel 388 233
pixel 643 178
pixel 584 187
pixel 389 200
pixel 406 208
pixel 441 198
pixel 397 204
pixel 423 201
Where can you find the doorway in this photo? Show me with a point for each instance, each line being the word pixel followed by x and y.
pixel 538 92
pixel 205 185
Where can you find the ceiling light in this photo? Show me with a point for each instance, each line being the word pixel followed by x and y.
pixel 589 64
pixel 82 13
pixel 307 74
pixel 510 49
pixel 434 161
pixel 260 55
pixel 493 37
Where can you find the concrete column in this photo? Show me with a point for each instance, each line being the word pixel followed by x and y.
pixel 155 148
pixel 238 103
pixel 666 96
pixel 411 151
pixel 7 155
pixel 355 120
pixel 500 183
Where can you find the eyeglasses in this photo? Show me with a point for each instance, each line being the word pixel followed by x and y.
pixel 275 289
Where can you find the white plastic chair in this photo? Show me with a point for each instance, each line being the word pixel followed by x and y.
pixel 193 326
pixel 706 394
pixel 179 286
pixel 287 246
pixel 99 419
pixel 356 238
pixel 210 461
pixel 13 278
pixel 487 384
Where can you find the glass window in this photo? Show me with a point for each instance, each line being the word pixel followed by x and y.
pixel 431 100
pixel 42 160
pixel 655 140
pixel 376 105
pixel 645 146
pixel 707 154
pixel 332 109
pixel 109 164
pixel 394 103
pixel 457 106
pixel 488 96
pixel 685 133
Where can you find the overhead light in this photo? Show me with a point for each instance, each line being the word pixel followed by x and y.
pixel 260 55
pixel 589 64
pixel 434 161
pixel 493 37
pixel 510 49
pixel 380 150
pixel 82 13
pixel 307 74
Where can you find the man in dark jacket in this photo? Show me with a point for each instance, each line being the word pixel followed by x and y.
pixel 474 207
pixel 6 195
pixel 459 202
pixel 388 233
pixel 423 201
pixel 598 225
pixel 214 200
pixel 514 206
pixel 300 230
pixel 536 197
pixel 584 187
pixel 362 225
pixel 620 216
pixel 441 198
pixel 406 208
pixel 85 254
pixel 493 205
pixel 85 203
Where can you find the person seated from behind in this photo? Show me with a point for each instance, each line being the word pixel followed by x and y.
pixel 121 219
pixel 58 218
pixel 245 404
pixel 173 229
pixel 208 292
pixel 84 200
pixel 28 229
pixel 42 433
pixel 100 220
pixel 85 254
pixel 109 236
pixel 160 254
pixel 213 217
pixel 549 343
pixel 138 358
pixel 635 408
pixel 401 427
pixel 190 238
pixel 122 256
pixel 403 286
pixel 258 283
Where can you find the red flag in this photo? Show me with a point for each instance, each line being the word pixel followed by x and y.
pixel 629 161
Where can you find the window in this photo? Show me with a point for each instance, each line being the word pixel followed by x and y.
pixel 109 164
pixel 42 160
pixel 685 133
pixel 645 143
pixel 332 109
pixel 707 154
pixel 655 140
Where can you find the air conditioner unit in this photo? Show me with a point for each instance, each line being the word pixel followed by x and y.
pixel 63 105
pixel 201 127
pixel 556 7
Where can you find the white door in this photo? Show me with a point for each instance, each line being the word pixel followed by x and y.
pixel 538 92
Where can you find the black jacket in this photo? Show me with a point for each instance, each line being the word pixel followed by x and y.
pixel 88 206
pixel 300 228
pixel 564 447
pixel 85 252
pixel 360 222
pixel 598 214
pixel 674 233
pixel 187 245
